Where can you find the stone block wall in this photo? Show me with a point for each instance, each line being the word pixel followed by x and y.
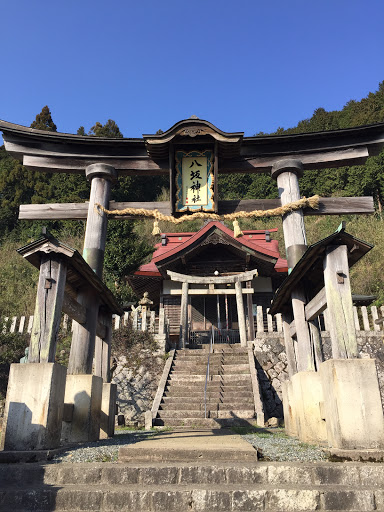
pixel 137 379
pixel 271 364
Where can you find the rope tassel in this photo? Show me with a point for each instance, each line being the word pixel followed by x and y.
pixel 236 229
pixel 156 229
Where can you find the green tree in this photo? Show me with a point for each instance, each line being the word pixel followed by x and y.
pixel 109 129
pixel 44 121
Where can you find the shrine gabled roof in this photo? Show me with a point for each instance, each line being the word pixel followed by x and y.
pixel 309 269
pixel 178 244
pixel 61 152
pixel 228 143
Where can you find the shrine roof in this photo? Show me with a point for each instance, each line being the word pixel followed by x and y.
pixel 309 269
pixel 79 274
pixel 178 243
pixel 62 152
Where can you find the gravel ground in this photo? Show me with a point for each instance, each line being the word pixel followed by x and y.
pixel 273 444
pixel 105 450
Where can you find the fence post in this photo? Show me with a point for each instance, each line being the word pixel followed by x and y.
pixel 269 321
pixel 21 324
pixel 356 318
pixel 260 319
pixel 30 323
pixel 161 320
pixel 135 319
pixel 13 324
pixel 152 321
pixel 279 322
pixel 65 323
pixel 364 312
pixel 375 316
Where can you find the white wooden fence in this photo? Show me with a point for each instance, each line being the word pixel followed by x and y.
pixel 364 321
pixel 151 322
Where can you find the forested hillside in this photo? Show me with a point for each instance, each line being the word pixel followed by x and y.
pixel 130 242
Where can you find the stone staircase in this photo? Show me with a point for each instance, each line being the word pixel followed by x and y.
pixel 204 487
pixel 230 398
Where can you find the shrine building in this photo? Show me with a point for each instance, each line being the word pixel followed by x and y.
pixel 212 251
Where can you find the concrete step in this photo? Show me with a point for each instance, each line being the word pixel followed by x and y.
pixel 213 357
pixel 199 413
pixel 337 474
pixel 226 378
pixel 240 392
pixel 202 369
pixel 193 423
pixel 184 403
pixel 196 486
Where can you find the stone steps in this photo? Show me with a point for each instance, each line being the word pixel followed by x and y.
pixel 243 391
pixel 204 487
pixel 201 422
pixel 185 414
pixel 233 377
pixel 229 389
pixel 183 405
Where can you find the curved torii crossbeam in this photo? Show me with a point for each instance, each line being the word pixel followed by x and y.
pixel 236 279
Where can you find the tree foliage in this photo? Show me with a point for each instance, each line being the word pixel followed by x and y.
pixel 109 129
pixel 44 121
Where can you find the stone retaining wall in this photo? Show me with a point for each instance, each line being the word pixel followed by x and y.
pixel 137 377
pixel 271 364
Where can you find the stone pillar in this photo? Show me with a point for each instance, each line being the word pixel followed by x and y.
pixel 240 314
pixel 108 407
pixel 85 393
pixel 352 403
pixel 34 407
pixel 307 396
pixel 83 339
pixel 251 326
pixel 184 316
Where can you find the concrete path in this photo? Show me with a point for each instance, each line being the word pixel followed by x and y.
pixel 202 445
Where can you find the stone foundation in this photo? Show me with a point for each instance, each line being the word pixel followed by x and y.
pixel 271 364
pixel 108 407
pixel 34 407
pixel 85 393
pixel 352 404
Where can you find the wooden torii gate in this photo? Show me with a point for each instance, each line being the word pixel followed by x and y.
pixel 211 281
pixel 102 159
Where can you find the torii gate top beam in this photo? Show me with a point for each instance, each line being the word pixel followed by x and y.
pixel 60 152
pixel 237 278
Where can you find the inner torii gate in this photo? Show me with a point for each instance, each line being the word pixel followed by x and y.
pixel 211 281
pixel 102 160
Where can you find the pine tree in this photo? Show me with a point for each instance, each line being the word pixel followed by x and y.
pixel 44 121
pixel 109 129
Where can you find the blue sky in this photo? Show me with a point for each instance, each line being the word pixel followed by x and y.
pixel 245 66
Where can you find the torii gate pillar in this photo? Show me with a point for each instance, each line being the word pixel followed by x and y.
pixel 100 176
pixel 287 173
